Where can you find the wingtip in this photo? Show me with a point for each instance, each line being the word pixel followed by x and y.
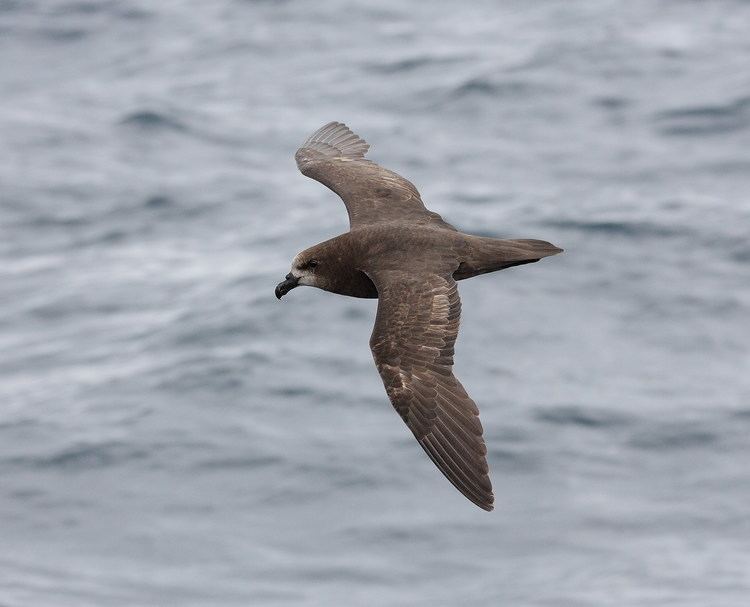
pixel 336 139
pixel 487 506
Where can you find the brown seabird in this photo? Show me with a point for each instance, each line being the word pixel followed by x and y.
pixel 410 259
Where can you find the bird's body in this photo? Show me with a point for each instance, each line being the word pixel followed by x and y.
pixel 410 259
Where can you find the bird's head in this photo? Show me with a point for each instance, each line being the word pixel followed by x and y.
pixel 309 268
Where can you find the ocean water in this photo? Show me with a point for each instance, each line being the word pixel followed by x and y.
pixel 171 434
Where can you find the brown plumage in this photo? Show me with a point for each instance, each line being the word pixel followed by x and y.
pixel 410 259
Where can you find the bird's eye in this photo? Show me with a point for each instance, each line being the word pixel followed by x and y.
pixel 313 263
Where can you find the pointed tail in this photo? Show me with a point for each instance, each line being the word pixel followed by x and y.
pixel 491 254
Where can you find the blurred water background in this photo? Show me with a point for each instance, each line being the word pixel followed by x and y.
pixel 170 434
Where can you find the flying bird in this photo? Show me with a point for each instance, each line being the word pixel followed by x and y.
pixel 409 258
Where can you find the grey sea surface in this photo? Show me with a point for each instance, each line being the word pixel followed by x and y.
pixel 171 434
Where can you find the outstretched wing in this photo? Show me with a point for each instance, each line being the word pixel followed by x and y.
pixel 335 157
pixel 412 344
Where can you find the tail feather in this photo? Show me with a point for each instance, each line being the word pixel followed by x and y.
pixel 491 254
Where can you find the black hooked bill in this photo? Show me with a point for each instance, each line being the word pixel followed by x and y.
pixel 286 285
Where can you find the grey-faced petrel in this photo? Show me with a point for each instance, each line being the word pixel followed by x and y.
pixel 410 259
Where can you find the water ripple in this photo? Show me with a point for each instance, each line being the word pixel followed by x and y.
pixel 586 417
pixel 151 120
pixel 705 120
